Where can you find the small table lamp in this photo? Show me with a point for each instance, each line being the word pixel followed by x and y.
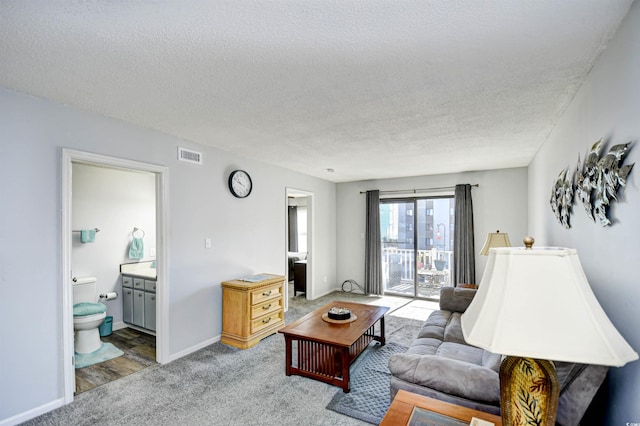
pixel 535 305
pixel 495 239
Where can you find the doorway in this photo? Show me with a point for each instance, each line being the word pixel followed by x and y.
pixel 159 174
pixel 299 243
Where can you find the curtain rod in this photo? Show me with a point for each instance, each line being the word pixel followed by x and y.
pixel 414 191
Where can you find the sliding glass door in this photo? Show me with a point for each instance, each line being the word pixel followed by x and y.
pixel 417 245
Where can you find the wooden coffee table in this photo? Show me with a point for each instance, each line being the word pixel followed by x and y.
pixel 325 350
pixel 402 406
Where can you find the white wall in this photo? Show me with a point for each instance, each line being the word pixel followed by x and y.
pixel 608 105
pixel 499 203
pixel 248 236
pixel 115 201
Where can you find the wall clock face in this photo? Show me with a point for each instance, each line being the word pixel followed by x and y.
pixel 240 183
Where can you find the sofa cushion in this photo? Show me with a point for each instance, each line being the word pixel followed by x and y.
pixel 491 360
pixel 454 377
pixel 444 326
pixel 453 331
pixel 434 325
pixel 460 352
pixel 456 299
pixel 424 346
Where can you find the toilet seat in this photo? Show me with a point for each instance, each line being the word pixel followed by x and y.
pixel 79 321
pixel 86 319
pixel 84 309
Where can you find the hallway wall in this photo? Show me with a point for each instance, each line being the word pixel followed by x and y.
pixel 248 236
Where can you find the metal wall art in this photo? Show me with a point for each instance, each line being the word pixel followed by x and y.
pixel 594 183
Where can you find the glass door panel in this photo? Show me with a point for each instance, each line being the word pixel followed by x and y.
pixel 397 233
pixel 434 245
pixel 417 245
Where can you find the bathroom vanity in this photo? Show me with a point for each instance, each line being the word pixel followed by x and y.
pixel 139 296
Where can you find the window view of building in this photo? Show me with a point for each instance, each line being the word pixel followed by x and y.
pixel 417 245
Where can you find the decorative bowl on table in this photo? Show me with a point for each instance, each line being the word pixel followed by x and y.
pixel 338 313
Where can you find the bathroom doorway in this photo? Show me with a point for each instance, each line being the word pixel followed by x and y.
pixel 106 172
pixel 299 243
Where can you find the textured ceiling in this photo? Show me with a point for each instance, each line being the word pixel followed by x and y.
pixel 369 88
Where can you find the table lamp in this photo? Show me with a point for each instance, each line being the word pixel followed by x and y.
pixel 495 239
pixel 535 306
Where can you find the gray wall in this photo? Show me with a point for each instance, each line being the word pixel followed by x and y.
pixel 608 105
pixel 499 203
pixel 248 236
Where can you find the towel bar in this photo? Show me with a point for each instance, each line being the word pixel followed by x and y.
pixel 97 230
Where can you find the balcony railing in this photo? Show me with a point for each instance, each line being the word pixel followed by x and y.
pixel 399 270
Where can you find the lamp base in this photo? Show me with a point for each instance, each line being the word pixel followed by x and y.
pixel 529 391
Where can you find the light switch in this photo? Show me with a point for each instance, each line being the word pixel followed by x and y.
pixel 207 243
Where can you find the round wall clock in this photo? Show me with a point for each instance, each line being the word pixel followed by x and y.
pixel 240 183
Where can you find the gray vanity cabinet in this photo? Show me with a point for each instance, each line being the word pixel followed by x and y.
pixel 138 308
pixel 139 302
pixel 127 299
pixel 150 311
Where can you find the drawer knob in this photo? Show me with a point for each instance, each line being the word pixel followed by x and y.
pixel 266 321
pixel 267 293
pixel 265 307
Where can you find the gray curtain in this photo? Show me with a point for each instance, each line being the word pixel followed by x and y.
pixel 293 228
pixel 373 252
pixel 464 270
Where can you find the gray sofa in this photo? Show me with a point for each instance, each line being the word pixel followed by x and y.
pixel 441 365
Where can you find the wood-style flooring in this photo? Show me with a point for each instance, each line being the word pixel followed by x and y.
pixel 139 352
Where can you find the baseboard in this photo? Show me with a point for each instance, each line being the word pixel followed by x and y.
pixel 194 348
pixel 119 325
pixel 317 296
pixel 31 414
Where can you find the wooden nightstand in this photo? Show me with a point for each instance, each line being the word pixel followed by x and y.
pixel 252 311
pixel 403 404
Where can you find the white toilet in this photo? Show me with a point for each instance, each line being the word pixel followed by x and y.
pixel 87 315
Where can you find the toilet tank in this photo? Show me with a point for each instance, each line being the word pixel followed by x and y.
pixel 84 290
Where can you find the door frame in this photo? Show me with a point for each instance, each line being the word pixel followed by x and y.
pixel 310 240
pixel 415 200
pixel 69 157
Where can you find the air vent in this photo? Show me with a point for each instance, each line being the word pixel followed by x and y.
pixel 189 156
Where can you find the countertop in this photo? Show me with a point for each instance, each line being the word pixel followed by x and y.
pixel 140 269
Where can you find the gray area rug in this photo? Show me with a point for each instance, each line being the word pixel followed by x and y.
pixel 222 385
pixel 368 399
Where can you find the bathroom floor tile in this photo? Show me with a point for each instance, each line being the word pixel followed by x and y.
pixel 139 353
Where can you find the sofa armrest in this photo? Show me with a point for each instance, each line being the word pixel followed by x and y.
pixel 462 379
pixel 456 299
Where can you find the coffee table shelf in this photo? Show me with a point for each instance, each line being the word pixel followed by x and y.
pixel 324 351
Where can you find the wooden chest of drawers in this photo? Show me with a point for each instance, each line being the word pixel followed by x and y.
pixel 252 311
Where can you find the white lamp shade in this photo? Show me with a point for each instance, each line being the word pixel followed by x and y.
pixel 537 303
pixel 495 239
